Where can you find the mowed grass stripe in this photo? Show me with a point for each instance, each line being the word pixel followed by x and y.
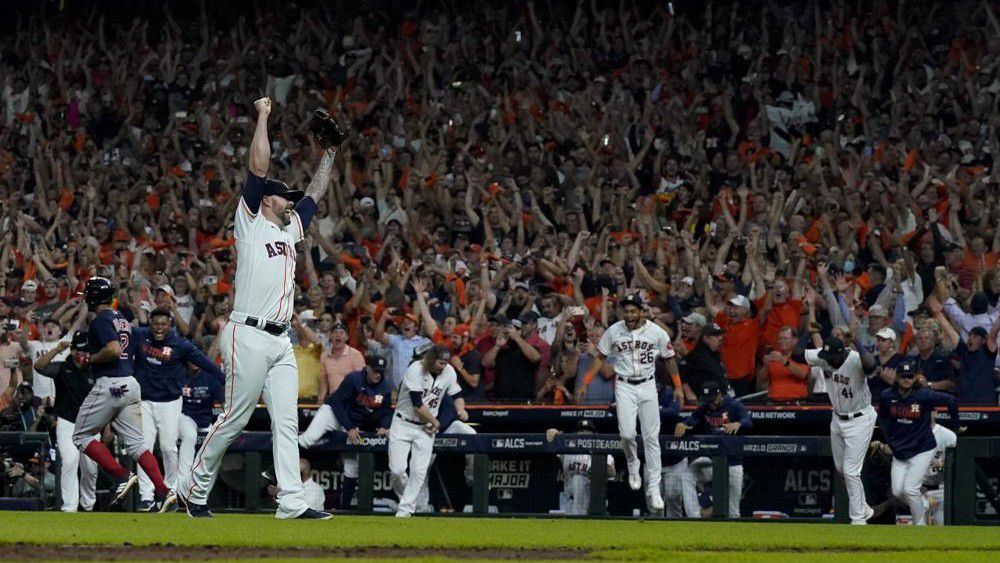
pixel 346 531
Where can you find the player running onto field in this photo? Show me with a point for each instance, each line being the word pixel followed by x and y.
pixel 906 415
pixel 632 346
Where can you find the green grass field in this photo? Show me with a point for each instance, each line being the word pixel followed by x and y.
pixel 605 539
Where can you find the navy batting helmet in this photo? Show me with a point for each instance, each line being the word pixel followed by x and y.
pixel 98 291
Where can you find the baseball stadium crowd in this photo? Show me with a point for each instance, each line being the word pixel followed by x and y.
pixel 757 172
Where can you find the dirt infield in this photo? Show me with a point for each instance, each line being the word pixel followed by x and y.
pixel 170 552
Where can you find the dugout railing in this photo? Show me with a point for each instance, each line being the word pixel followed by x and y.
pixel 482 446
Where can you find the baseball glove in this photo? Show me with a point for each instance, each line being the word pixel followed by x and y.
pixel 328 131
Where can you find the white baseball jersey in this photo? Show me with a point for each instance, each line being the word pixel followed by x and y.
pixel 847 387
pixel 265 266
pixel 634 352
pixel 432 389
pixel 579 463
pixel 945 438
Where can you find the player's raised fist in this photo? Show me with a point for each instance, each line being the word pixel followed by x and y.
pixel 263 105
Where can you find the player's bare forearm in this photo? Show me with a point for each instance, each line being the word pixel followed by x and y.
pixel 463 415
pixel 425 415
pixel 675 379
pixel 260 145
pixel 321 179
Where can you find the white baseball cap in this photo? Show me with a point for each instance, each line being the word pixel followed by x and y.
pixel 740 301
pixel 886 333
pixel 166 288
pixel 688 280
pixel 30 285
pixel 695 319
pixel 367 202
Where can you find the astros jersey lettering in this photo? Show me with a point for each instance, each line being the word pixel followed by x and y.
pixel 265 265
pixel 635 352
pixel 847 386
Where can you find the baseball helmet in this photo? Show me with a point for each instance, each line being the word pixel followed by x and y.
pixel 98 291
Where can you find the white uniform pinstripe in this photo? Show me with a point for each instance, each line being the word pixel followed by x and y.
pixel 633 354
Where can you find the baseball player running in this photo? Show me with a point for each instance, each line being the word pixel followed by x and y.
pixel 576 472
pixel 906 414
pixel 160 368
pixel 362 402
pixel 632 346
pixel 411 436
pixel 853 417
pixel 254 344
pixel 72 381
pixel 115 397
pixel 199 394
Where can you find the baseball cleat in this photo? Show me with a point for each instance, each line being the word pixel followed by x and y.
pixel 869 514
pixel 167 504
pixel 634 481
pixel 655 502
pixel 122 487
pixel 194 510
pixel 311 514
pixel 145 506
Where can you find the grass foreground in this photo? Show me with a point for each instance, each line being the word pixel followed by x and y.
pixel 622 540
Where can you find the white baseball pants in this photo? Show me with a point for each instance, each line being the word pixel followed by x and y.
pixel 700 472
pixel 849 441
pixel 322 423
pixel 76 491
pixel 160 420
pixel 640 399
pixel 680 491
pixel 934 500
pixel 410 451
pixel 188 432
pixel 907 476
pixel 577 487
pixel 424 497
pixel 256 364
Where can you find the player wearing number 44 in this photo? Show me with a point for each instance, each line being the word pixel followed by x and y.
pixel 853 416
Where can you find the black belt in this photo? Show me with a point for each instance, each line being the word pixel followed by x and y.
pixel 849 416
pixel 271 327
pixel 635 380
pixel 401 417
